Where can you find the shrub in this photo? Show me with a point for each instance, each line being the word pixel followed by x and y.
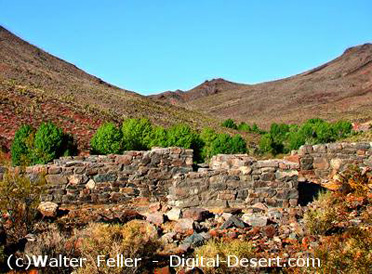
pixel 19 198
pixel 229 123
pixel 256 129
pixel 52 242
pixel 321 216
pixel 22 146
pixel 136 134
pixel 347 253
pixel 134 239
pixel 212 248
pixel 107 140
pixel 244 127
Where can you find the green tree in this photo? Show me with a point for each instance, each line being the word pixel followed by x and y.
pixel 48 142
pixel 159 137
pixel 225 144
pixel 22 146
pixel 207 135
pixel 137 134
pixel 229 123
pixel 342 129
pixel 238 144
pixel 182 135
pixel 265 143
pixel 107 140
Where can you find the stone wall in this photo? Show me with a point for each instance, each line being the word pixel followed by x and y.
pixel 319 163
pixel 237 181
pixel 166 174
pixel 135 177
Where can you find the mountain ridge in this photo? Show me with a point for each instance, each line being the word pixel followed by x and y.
pixel 347 76
pixel 36 86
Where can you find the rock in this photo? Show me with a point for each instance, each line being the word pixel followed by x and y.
pixel 48 209
pixel 233 211
pixel 274 213
pixel 168 237
pixel 257 207
pixel 269 231
pixel 233 221
pixel 56 179
pixel 155 218
pixel 54 170
pixel 129 215
pixel 226 216
pixel 183 248
pixel 91 184
pixel 100 178
pixel 77 179
pixel 174 214
pixel 254 220
pixel 321 163
pixel 184 226
pixel 194 240
pixel 154 207
pixel 197 214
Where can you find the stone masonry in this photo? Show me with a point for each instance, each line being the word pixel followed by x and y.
pixel 135 177
pixel 237 181
pixel 167 175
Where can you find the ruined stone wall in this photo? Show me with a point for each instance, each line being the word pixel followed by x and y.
pixel 319 163
pixel 237 181
pixel 166 174
pixel 135 177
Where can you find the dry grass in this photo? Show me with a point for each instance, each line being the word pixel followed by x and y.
pixel 136 239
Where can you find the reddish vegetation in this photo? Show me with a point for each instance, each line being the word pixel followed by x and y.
pixel 13 114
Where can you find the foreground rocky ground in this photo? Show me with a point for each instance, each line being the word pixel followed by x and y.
pixel 335 228
pixel 265 232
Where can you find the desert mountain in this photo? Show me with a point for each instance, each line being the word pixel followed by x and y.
pixel 339 89
pixel 36 86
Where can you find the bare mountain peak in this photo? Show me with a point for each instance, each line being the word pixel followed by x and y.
pixel 360 49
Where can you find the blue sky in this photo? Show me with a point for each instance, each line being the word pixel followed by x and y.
pixel 150 46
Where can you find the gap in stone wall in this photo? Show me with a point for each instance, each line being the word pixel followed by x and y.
pixel 308 192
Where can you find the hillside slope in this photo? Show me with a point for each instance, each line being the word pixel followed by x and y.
pixel 36 86
pixel 340 89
